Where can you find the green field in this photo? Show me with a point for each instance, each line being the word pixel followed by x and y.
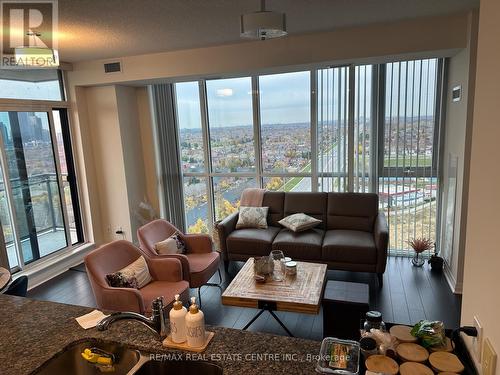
pixel 423 161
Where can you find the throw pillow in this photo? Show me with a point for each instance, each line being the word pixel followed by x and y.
pixel 172 245
pixel 299 222
pixel 252 217
pixel 135 275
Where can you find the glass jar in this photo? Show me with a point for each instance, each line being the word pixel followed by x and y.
pixel 279 265
pixel 373 320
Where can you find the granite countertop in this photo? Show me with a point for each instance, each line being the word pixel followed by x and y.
pixel 31 332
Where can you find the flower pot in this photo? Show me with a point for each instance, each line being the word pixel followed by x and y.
pixel 436 263
pixel 417 260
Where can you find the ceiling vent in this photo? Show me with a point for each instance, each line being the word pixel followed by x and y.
pixel 113 67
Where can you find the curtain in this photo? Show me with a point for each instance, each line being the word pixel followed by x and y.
pixel 168 153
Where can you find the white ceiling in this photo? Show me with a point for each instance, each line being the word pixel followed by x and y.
pixel 100 29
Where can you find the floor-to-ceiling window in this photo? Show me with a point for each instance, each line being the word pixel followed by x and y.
pixel 361 128
pixel 39 210
pixel 285 131
pixel 408 168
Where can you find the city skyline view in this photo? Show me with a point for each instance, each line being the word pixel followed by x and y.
pixel 285 154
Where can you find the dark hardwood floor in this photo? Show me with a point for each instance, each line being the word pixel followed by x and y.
pixel 408 295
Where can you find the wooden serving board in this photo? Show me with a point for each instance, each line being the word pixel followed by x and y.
pixel 413 368
pixel 402 333
pixel 446 362
pixel 168 343
pixel 382 364
pixel 412 352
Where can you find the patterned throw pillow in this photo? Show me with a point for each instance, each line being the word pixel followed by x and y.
pixel 172 245
pixel 299 222
pixel 252 217
pixel 135 275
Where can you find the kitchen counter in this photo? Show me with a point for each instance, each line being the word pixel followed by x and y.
pixel 32 332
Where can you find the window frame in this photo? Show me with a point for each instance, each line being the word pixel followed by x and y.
pixel 378 112
pixel 47 106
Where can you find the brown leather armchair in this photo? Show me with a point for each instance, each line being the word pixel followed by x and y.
pixel 200 262
pixel 166 273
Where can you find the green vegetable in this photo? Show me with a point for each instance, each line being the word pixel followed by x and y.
pixel 430 333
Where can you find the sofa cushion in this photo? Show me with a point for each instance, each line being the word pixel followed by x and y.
pixel 202 267
pixel 135 275
pixel 349 246
pixel 304 245
pixel 352 211
pixel 251 241
pixel 275 200
pixel 172 245
pixel 299 222
pixel 312 204
pixel 252 217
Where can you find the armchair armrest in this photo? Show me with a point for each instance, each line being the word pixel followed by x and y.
pixel 381 236
pixel 224 229
pixel 122 299
pixel 198 243
pixel 165 268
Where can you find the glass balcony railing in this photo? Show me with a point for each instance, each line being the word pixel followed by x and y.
pixel 49 231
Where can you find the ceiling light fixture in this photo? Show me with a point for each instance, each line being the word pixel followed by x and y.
pixel 36 57
pixel 263 24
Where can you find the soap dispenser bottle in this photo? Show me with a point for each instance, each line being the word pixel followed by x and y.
pixel 177 317
pixel 195 325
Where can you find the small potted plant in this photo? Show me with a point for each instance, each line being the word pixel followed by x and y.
pixel 436 261
pixel 419 245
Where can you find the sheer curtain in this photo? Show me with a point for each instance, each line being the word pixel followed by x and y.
pixel 168 153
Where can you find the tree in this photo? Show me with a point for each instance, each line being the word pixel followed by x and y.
pixel 274 184
pixel 199 227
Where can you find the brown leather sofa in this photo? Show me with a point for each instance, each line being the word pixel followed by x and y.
pixel 352 236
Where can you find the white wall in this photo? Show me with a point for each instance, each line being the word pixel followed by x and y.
pixel 457 128
pixel 113 123
pixel 128 117
pixel 106 147
pixel 481 295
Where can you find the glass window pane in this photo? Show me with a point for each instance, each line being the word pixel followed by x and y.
pixel 189 124
pixel 33 178
pixel 6 221
pixel 195 204
pixel 68 193
pixel 230 120
pixel 362 129
pixel 332 117
pixel 287 183
pixel 227 194
pixel 40 84
pixel 285 110
pixel 408 185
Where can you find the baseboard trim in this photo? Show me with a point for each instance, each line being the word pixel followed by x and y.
pixel 456 287
pixel 45 270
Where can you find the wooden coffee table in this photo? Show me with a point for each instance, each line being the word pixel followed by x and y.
pixel 4 278
pixel 301 293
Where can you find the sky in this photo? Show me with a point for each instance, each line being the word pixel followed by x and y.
pixel 48 90
pixel 286 98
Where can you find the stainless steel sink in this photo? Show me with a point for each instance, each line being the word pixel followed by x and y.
pixel 70 360
pixel 127 362
pixel 179 368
